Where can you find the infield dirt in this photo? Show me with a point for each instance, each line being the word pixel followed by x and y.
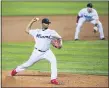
pixel 13 28
pixel 42 79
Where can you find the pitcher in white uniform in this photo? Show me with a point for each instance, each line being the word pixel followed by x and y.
pixel 41 50
pixel 88 15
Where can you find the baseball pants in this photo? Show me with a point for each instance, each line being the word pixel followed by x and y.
pixel 80 23
pixel 36 56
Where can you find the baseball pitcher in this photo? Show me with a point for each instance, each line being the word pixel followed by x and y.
pixel 43 38
pixel 89 15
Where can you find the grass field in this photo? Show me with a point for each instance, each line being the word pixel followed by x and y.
pixel 82 57
pixel 15 8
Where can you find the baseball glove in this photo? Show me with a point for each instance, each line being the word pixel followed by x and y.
pixel 56 42
pixel 95 28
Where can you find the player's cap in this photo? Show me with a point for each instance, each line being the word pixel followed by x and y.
pixel 89 5
pixel 46 21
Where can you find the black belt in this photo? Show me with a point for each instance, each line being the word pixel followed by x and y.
pixel 40 50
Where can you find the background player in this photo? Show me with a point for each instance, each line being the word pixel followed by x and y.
pixel 43 38
pixel 89 15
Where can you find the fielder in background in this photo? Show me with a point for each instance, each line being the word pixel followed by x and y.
pixel 43 38
pixel 89 15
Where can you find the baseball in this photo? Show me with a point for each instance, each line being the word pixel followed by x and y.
pixel 37 19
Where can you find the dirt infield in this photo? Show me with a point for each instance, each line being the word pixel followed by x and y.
pixel 13 28
pixel 39 79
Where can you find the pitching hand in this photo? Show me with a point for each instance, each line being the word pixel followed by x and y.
pixel 35 19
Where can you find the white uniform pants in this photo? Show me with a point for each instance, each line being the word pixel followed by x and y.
pixel 36 56
pixel 80 23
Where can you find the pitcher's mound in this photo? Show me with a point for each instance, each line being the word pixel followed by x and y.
pixel 42 79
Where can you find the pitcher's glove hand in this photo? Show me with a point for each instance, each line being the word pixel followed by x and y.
pixel 56 42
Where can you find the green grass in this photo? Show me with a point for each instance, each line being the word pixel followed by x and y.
pixel 82 57
pixel 15 8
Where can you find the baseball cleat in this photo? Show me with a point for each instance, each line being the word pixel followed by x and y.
pixel 102 39
pixel 13 73
pixel 54 81
pixel 76 39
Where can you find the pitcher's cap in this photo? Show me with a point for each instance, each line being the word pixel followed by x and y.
pixel 46 21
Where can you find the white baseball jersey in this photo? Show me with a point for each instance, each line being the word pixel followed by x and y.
pixel 88 16
pixel 43 38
